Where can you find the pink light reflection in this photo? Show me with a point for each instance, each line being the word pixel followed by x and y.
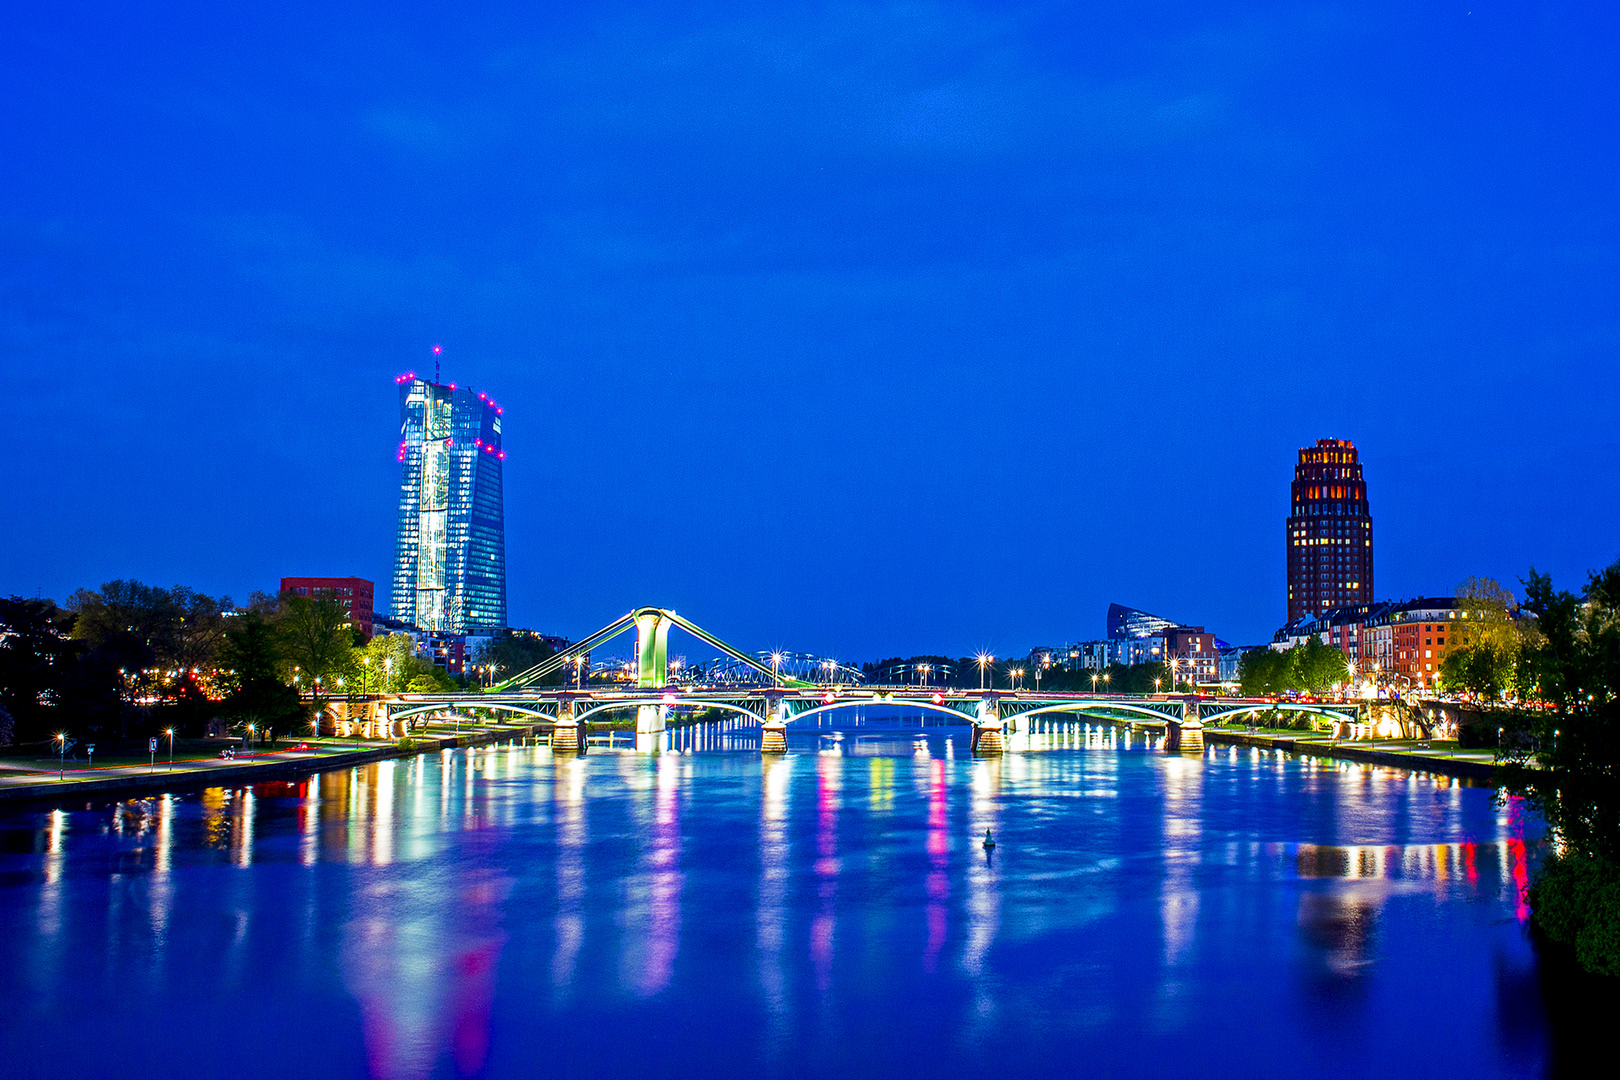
pixel 938 882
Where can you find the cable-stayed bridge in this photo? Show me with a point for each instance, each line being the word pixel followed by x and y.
pixel 778 694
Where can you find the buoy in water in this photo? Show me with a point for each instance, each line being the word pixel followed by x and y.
pixel 989 841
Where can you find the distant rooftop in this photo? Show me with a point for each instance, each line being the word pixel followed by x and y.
pixel 1125 624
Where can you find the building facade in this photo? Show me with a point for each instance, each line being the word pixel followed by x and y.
pixel 1193 654
pixel 355 594
pixel 1397 645
pixel 450 556
pixel 1330 534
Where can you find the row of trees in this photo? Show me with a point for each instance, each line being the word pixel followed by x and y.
pixel 130 659
pixel 1313 667
pixel 1561 746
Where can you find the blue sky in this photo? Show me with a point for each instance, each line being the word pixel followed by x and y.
pixel 854 328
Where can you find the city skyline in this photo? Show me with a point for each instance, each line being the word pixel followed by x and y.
pixel 963 323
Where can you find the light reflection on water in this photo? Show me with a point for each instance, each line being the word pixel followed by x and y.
pixel 476 911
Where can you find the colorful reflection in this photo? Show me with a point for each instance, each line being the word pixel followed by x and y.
pixel 503 911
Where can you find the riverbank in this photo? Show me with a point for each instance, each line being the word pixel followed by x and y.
pixel 1466 764
pixel 36 787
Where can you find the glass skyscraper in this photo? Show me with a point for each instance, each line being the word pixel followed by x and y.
pixel 450 559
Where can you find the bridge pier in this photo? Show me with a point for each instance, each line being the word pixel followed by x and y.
pixel 773 738
pixel 989 739
pixel 568 737
pixel 1186 737
pixel 651 722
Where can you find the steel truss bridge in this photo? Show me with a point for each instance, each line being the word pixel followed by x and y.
pixel 777 700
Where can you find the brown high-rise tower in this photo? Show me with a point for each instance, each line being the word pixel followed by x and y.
pixel 1330 541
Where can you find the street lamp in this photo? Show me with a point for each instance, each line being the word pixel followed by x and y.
pixel 1013 675
pixel 925 669
pixel 1093 682
pixel 170 734
pixel 61 742
pixel 984 660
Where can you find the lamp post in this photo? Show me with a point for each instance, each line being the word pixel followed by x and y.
pixel 925 669
pixel 1093 682
pixel 170 734
pixel 61 767
pixel 984 661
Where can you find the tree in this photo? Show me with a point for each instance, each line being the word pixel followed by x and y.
pixel 1315 666
pixel 258 694
pixel 1264 672
pixel 36 660
pixel 1487 641
pixel 514 654
pixel 388 664
pixel 1567 731
pixel 316 639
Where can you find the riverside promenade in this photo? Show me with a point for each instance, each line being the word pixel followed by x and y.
pixel 36 782
pixel 1442 757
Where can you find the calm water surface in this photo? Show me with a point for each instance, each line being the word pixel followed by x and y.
pixel 833 913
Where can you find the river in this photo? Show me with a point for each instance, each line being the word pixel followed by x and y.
pixel 833 912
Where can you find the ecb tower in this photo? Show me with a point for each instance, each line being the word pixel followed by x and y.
pixel 450 558
pixel 1330 534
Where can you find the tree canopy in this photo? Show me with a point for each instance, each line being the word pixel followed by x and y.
pixel 1312 667
pixel 1561 753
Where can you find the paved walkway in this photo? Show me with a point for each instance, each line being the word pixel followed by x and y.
pixel 1443 757
pixel 37 780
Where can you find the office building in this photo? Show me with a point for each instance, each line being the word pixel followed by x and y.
pixel 1125 623
pixel 1330 535
pixel 450 558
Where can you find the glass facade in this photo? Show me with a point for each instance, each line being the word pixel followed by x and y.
pixel 450 559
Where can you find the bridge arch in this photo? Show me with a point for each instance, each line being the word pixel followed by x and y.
pixel 467 706
pixel 1084 706
pixel 928 706
pixel 610 706
pixel 1340 712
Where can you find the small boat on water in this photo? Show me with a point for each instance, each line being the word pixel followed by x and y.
pixel 989 841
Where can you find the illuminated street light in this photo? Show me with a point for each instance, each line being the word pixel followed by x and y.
pixel 170 734
pixel 984 660
pixel 776 669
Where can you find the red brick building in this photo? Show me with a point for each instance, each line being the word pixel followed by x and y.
pixel 352 592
